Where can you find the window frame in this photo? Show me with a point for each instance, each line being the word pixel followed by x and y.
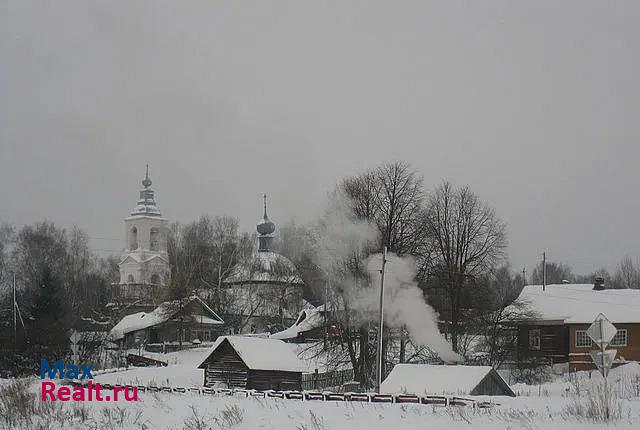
pixel 586 337
pixel 535 333
pixel 626 338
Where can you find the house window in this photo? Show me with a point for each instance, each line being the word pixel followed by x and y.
pixel 620 339
pixel 534 339
pixel 582 339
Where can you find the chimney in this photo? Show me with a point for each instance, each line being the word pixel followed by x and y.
pixel 598 283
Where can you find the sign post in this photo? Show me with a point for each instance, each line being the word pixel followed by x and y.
pixel 601 331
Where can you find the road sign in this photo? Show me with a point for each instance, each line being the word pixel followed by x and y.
pixel 601 331
pixel 603 359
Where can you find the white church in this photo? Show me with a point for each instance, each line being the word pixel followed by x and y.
pixel 263 293
pixel 144 266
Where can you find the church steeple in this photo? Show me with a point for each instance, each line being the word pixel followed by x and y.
pixel 147 203
pixel 265 228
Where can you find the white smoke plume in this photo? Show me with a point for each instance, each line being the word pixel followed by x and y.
pixel 345 241
pixel 404 303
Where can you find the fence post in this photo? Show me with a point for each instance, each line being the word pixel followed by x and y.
pixel 315 379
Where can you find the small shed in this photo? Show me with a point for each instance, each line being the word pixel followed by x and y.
pixel 252 363
pixel 434 379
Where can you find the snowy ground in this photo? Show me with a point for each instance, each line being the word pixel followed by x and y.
pixel 567 403
pixel 189 412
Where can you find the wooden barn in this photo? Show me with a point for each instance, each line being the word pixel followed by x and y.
pixel 432 379
pixel 252 363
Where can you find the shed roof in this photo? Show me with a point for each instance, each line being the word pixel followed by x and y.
pixel 440 379
pixel 581 304
pixel 260 353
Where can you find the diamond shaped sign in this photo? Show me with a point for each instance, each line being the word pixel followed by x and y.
pixel 601 331
pixel 603 359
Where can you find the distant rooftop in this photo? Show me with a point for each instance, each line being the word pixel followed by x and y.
pixel 581 304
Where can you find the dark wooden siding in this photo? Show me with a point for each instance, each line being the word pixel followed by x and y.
pixel 492 385
pixel 225 365
pixel 274 380
pixel 554 343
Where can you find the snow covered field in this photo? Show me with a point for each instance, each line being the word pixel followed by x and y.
pixel 188 412
pixel 567 403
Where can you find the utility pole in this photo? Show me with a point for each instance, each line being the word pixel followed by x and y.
pixel 381 321
pixel 15 312
pixel 603 346
pixel 326 308
pixel 544 271
pixel 217 294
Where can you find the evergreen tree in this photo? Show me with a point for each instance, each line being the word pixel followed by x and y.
pixel 50 315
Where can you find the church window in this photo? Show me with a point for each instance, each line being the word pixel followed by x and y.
pixel 133 239
pixel 154 239
pixel 130 279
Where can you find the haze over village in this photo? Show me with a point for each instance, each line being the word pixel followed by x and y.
pixel 317 215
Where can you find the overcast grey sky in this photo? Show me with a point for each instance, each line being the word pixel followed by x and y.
pixel 534 104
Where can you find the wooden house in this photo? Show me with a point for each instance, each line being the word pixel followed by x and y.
pixel 252 363
pixel 432 379
pixel 187 320
pixel 561 315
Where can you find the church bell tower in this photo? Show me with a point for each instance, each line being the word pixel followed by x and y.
pixel 144 267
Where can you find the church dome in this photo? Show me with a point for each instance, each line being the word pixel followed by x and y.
pixel 266 267
pixel 266 226
pixel 146 204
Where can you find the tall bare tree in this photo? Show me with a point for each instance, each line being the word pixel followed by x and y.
pixel 627 274
pixel 202 253
pixel 468 239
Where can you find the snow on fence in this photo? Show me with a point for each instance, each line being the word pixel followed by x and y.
pixel 304 395
pixel 317 381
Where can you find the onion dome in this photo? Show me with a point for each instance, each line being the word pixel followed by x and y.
pixel 265 225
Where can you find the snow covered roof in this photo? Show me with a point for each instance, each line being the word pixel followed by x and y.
pixel 265 267
pixel 308 319
pixel 162 313
pixel 581 304
pixel 439 379
pixel 260 353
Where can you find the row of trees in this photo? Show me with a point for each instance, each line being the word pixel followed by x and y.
pixel 626 275
pixel 457 240
pixel 58 280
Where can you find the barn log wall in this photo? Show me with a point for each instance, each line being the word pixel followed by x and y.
pixel 225 365
pixel 274 380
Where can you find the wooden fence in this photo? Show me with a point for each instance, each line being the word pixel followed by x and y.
pixel 319 381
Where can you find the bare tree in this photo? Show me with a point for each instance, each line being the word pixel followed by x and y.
pixel 469 239
pixel 202 253
pixel 627 275
pixel 556 273
pixel 391 197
